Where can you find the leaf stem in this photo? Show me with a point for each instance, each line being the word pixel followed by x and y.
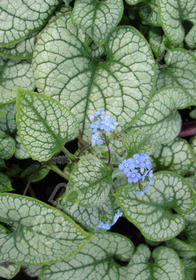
pixel 54 168
pixel 70 155
pixel 107 144
pixel 31 178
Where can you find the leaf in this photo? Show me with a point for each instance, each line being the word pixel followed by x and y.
pixel 175 156
pixel 190 38
pixel 37 174
pixel 97 18
pixel 20 152
pixel 8 121
pixel 44 124
pixel 137 142
pixel 32 270
pixel 7 147
pixel 165 264
pixel 161 118
pixel 42 233
pixel 22 50
pixel 172 14
pixel 159 41
pixel 2 113
pixel 5 183
pixel 2 163
pixel 90 182
pixel 88 218
pixel 149 13
pixel 133 2
pixel 152 212
pixel 95 261
pixel 64 69
pixel 180 70
pixel 183 249
pixel 193 114
pixel 8 270
pixel 14 73
pixel 193 167
pixel 189 268
pixel 23 18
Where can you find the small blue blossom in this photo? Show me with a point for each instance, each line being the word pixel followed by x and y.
pixel 133 176
pixel 116 217
pixel 107 123
pixel 100 122
pixel 104 226
pixel 138 168
pixel 141 192
pixel 108 226
pixel 139 160
pixel 96 139
pixel 127 165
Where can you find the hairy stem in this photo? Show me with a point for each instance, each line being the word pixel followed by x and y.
pixel 54 168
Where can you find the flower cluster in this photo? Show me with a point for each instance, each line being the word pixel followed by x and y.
pixel 108 226
pixel 100 122
pixel 137 168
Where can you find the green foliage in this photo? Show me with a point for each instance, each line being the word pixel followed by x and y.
pixel 61 62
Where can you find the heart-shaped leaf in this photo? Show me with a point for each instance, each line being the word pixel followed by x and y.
pixel 152 211
pixel 5 183
pixel 176 156
pixel 23 18
pixel 97 18
pixel 163 264
pixel 172 14
pixel 161 118
pixel 90 182
pixel 14 73
pixel 95 261
pixel 44 124
pixel 65 69
pixel 180 71
pixel 42 233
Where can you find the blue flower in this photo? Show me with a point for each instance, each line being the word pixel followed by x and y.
pixel 133 176
pixel 108 226
pixel 141 192
pixel 102 122
pixel 127 165
pixel 95 126
pixel 96 139
pixel 139 160
pixel 137 168
pixel 116 217
pixel 107 123
pixel 104 226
